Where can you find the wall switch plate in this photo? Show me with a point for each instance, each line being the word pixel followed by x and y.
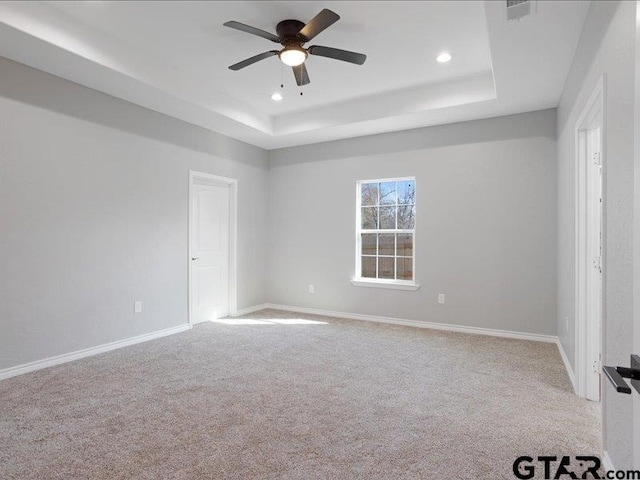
pixel 312 289
pixel 137 307
pixel 441 298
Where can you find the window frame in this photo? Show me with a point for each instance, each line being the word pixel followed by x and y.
pixel 358 279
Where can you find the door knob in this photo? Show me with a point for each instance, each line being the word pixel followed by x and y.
pixel 195 258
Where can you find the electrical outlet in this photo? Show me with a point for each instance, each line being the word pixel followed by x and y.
pixel 312 289
pixel 137 307
pixel 441 298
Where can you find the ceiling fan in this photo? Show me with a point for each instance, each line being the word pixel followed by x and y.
pixel 292 35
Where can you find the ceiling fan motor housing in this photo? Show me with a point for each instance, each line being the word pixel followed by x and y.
pixel 288 31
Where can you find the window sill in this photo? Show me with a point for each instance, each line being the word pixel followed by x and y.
pixel 382 284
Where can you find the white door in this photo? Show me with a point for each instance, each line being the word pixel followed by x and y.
pixel 209 252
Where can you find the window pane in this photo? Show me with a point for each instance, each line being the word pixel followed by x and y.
pixel 388 217
pixel 387 244
pixel 405 268
pixel 406 193
pixel 368 267
pixel 386 208
pixel 369 194
pixel 386 267
pixel 406 217
pixel 369 218
pixel 388 193
pixel 405 245
pixel 369 244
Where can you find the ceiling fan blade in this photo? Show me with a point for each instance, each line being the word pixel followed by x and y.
pixel 253 30
pixel 301 74
pixel 336 53
pixel 317 24
pixel 252 60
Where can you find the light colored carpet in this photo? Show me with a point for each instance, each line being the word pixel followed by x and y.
pixel 279 398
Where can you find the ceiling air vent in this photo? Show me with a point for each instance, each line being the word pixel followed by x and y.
pixel 516 9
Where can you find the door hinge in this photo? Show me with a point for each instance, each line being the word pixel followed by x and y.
pixel 597 159
pixel 597 366
pixel 597 264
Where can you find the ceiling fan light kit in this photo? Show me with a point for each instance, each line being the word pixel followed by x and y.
pixel 444 57
pixel 293 56
pixel 292 35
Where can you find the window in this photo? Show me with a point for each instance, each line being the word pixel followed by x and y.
pixel 385 232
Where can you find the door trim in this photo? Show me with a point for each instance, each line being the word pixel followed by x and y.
pixel 233 237
pixel 584 345
pixel 636 235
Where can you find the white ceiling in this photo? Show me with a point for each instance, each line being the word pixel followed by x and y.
pixel 172 57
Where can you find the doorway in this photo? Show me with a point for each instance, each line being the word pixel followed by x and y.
pixel 589 245
pixel 212 247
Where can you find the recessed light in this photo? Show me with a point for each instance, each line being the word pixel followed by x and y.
pixel 444 57
pixel 276 97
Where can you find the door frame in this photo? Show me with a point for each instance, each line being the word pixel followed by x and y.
pixel 636 245
pixel 584 313
pixel 233 237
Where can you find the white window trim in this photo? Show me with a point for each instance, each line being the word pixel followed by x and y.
pixel 393 284
pixel 390 284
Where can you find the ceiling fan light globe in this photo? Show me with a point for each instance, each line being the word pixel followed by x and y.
pixel 444 57
pixel 293 56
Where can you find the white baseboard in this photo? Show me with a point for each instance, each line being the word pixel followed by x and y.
pixel 607 463
pixel 420 324
pixel 567 365
pixel 87 352
pixel 248 310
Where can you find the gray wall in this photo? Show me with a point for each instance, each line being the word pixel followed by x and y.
pixel 606 47
pixel 486 223
pixel 93 215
